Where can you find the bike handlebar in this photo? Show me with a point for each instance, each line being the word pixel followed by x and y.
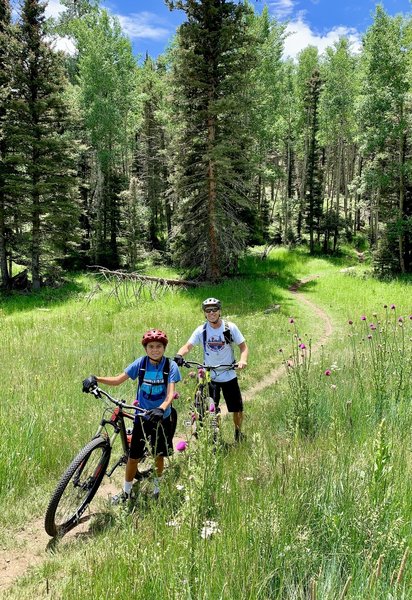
pixel 193 363
pixel 98 392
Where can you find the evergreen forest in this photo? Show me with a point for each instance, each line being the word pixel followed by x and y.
pixel 219 144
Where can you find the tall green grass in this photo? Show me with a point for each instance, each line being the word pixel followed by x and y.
pixel 286 515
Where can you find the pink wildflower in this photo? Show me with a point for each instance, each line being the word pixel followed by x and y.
pixel 176 395
pixel 328 372
pixel 363 318
pixel 291 320
pixel 393 307
pixel 302 346
pixel 181 446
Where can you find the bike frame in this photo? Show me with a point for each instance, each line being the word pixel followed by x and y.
pixel 117 422
pixel 203 379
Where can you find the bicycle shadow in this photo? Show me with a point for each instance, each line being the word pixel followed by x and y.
pixel 99 520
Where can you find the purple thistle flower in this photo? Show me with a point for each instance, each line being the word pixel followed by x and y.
pixel 302 346
pixel 181 446
pixel 400 319
pixel 393 307
pixel 363 318
pixel 176 395
pixel 291 320
pixel 369 337
pixel 328 372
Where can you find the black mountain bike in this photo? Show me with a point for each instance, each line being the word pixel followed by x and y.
pixel 205 409
pixel 81 480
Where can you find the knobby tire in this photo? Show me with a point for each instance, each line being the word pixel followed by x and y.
pixel 201 405
pixel 77 487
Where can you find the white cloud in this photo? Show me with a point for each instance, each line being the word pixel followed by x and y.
pixel 65 44
pixel 144 25
pixel 53 9
pixel 300 36
pixel 282 8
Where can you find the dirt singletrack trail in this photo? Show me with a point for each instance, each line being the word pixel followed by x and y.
pixel 277 373
pixel 31 543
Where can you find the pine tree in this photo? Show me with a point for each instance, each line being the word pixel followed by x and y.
pixel 212 66
pixel 150 164
pixel 385 134
pixel 135 218
pixel 7 41
pixel 40 175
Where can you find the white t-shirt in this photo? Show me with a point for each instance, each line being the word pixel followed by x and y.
pixel 216 350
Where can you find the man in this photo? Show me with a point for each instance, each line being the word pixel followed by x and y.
pixel 217 337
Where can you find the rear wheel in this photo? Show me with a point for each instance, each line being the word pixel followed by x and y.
pixel 77 487
pixel 198 413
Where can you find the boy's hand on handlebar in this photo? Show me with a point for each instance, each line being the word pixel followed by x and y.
pixel 241 365
pixel 155 415
pixel 89 383
pixel 179 360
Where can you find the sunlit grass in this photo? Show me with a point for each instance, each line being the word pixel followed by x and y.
pixel 291 513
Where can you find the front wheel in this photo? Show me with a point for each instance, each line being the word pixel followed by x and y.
pixel 77 487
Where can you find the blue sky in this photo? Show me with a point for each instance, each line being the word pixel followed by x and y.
pixel 150 25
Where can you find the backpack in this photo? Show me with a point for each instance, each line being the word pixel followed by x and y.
pixel 166 371
pixel 227 334
pixel 173 414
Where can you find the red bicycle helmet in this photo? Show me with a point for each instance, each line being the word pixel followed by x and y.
pixel 154 335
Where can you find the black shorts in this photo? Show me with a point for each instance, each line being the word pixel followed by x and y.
pixel 231 394
pixel 155 434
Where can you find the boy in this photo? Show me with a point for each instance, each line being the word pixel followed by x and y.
pixel 153 396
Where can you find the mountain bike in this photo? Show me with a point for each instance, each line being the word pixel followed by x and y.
pixel 204 409
pixel 81 480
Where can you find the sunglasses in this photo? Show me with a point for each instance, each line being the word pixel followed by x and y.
pixel 211 310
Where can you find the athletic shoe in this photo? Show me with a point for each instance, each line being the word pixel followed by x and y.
pixel 121 498
pixel 239 436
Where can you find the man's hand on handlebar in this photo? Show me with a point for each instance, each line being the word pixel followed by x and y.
pixel 89 383
pixel 241 365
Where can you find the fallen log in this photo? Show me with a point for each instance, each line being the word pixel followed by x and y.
pixel 125 275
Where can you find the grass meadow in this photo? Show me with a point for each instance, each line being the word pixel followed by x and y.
pixel 314 505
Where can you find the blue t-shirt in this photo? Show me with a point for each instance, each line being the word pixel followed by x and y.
pixel 152 392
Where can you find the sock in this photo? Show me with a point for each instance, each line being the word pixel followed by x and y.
pixel 127 486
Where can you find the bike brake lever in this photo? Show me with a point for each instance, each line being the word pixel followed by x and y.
pixel 96 392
